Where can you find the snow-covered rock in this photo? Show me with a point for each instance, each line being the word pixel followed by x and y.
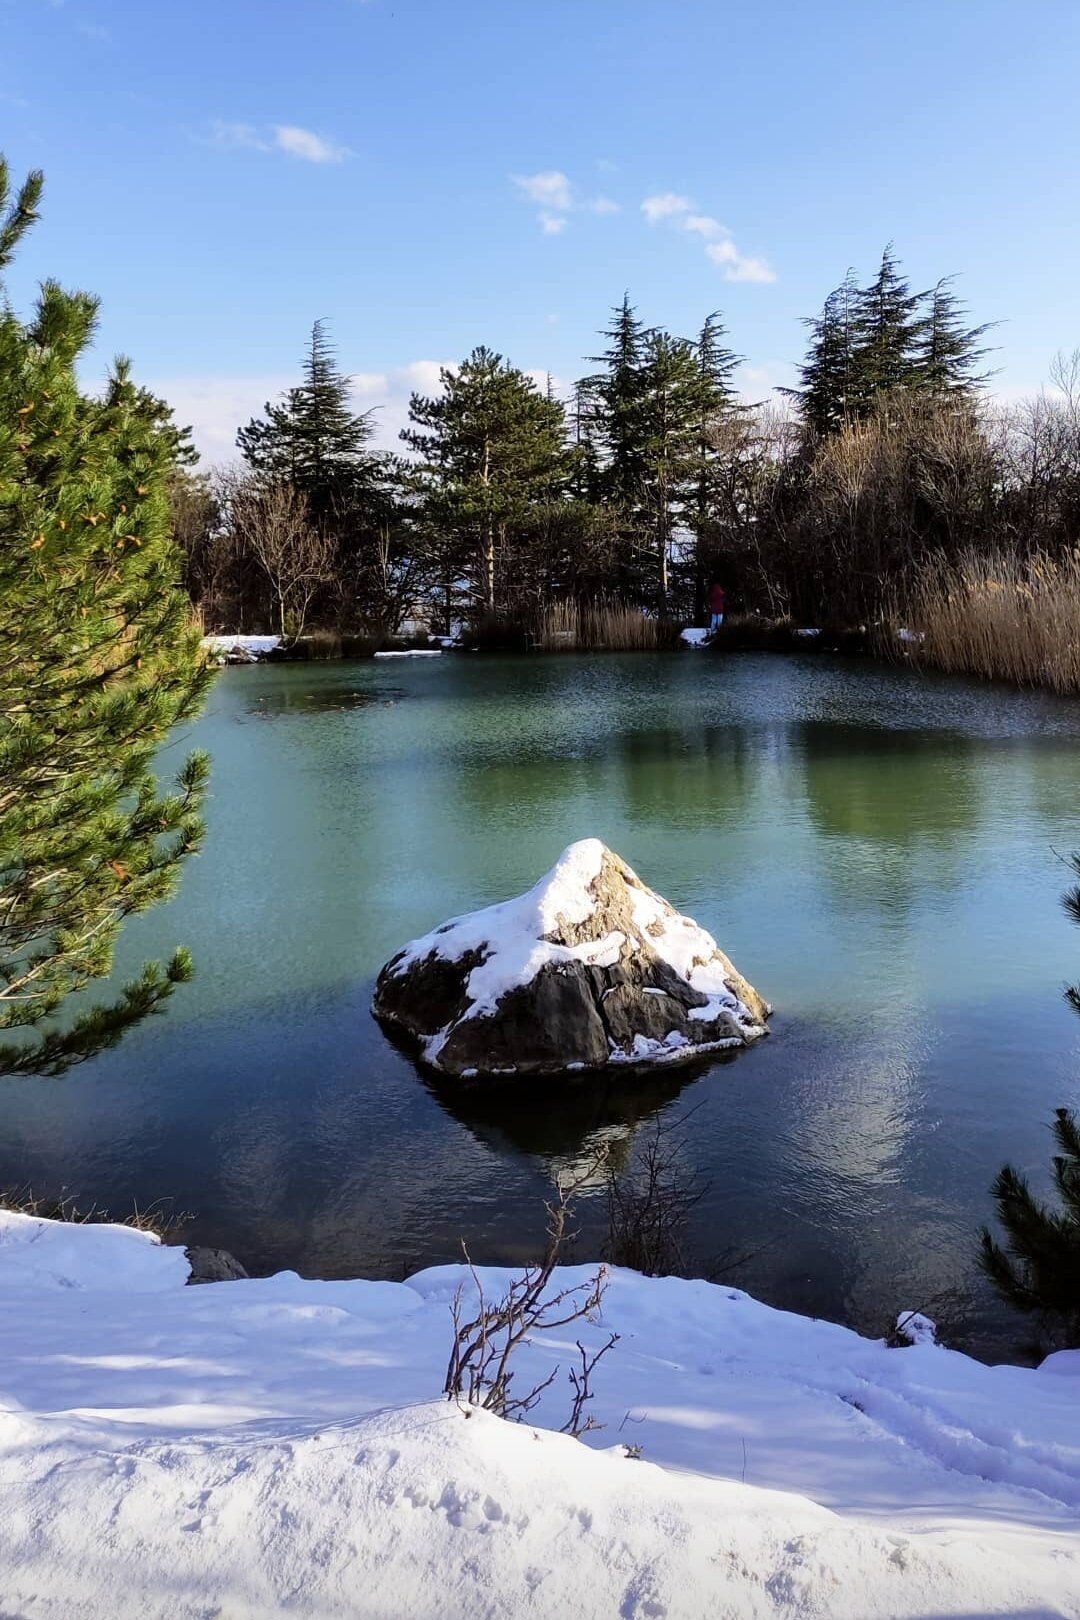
pixel 588 968
pixel 278 1447
pixel 694 636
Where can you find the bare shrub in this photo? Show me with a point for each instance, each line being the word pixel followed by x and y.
pixel 479 1372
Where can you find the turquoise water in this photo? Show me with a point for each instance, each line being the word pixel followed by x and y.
pixel 878 852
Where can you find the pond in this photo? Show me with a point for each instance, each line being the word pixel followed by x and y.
pixel 879 853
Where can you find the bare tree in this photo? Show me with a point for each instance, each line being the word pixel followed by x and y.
pixel 273 523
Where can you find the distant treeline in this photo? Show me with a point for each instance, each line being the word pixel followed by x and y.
pixel 886 462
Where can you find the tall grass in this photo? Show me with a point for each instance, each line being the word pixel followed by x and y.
pixel 163 1223
pixel 602 625
pixel 998 615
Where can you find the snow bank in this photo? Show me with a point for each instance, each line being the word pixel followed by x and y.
pixel 694 637
pixel 413 652
pixel 277 1446
pixel 250 644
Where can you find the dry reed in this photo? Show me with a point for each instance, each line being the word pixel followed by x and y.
pixel 997 615
pixel 604 624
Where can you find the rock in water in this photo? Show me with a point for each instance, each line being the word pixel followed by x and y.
pixel 588 968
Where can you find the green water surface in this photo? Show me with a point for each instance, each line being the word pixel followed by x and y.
pixel 878 852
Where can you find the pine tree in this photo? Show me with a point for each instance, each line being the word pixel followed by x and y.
pixel 100 660
pixel 313 439
pixel 1039 1269
pixel 948 352
pixel 491 450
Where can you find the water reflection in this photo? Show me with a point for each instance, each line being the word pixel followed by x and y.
pixel 563 1123
pixel 288 702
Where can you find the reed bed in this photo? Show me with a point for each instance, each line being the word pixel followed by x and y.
pixel 997 615
pixel 603 625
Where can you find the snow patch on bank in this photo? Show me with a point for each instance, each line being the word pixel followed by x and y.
pixel 278 1446
pixel 255 645
pixel 413 652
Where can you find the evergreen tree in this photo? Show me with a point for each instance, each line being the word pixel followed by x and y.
pixel 676 398
pixel 826 393
pixel 887 334
pixel 313 439
pixel 1038 1271
pixel 948 352
pixel 492 451
pixel 717 364
pixel 615 396
pixel 100 659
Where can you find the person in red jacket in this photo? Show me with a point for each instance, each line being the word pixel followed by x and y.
pixel 716 607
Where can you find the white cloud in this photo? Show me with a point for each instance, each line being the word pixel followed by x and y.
pixel 665 205
pixel 214 407
pixel 305 144
pixel 671 208
pixel 288 138
pixel 425 376
pixel 736 266
pixel 230 136
pixel 555 195
pixel 550 188
pixel 756 382
pixel 704 225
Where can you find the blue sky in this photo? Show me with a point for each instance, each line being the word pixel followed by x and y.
pixel 431 174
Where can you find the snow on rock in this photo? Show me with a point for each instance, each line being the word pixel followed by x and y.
pixel 694 636
pixel 587 969
pixel 277 1446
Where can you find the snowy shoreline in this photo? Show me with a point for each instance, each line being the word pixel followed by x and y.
pixel 278 1445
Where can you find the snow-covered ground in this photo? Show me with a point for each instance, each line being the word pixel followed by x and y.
pixel 278 1446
